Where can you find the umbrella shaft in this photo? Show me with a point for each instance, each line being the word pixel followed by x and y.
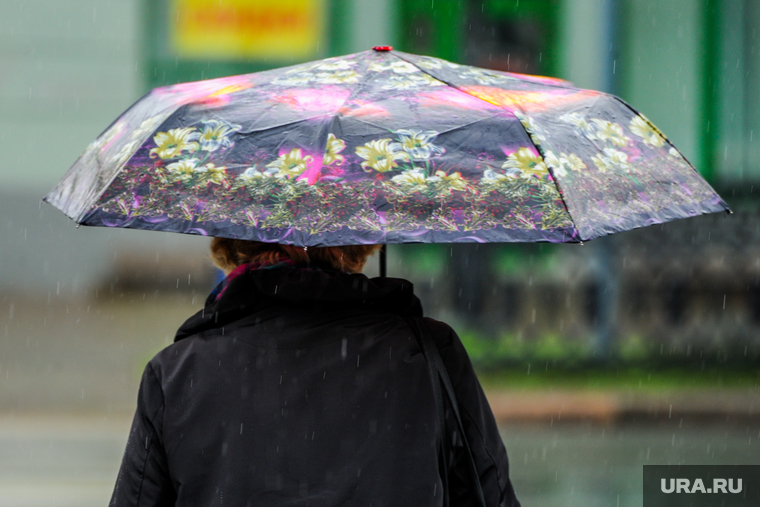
pixel 383 262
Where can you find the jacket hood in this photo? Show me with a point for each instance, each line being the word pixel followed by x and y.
pixel 258 289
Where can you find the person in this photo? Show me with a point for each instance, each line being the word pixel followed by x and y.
pixel 302 383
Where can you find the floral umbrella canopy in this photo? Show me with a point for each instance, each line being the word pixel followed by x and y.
pixel 382 147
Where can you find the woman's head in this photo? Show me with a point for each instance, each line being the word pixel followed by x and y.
pixel 228 254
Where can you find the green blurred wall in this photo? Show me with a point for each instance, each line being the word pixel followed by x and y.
pixel 67 70
pixel 662 50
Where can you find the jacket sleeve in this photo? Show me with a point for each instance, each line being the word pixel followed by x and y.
pixel 481 431
pixel 143 479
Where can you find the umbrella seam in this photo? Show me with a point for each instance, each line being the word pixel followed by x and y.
pixel 84 213
pixel 439 133
pixel 335 116
pixel 511 74
pixel 554 179
pixel 81 214
pixel 667 140
pixel 253 131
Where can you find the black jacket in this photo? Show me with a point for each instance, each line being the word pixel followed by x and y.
pixel 305 387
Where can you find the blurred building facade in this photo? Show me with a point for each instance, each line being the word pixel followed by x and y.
pixel 689 289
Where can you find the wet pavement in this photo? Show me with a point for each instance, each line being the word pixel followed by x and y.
pixel 72 461
pixel 69 370
pixel 589 465
pixel 59 461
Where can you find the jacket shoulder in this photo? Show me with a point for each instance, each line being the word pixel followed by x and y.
pixel 443 335
pixel 178 353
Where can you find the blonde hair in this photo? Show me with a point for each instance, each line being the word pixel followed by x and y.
pixel 228 254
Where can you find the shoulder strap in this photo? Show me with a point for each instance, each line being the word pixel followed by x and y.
pixel 440 376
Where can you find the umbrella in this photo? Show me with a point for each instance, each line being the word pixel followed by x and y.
pixel 382 147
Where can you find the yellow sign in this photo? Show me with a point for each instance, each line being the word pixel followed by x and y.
pixel 237 29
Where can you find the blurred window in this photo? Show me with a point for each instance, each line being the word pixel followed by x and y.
pixel 509 36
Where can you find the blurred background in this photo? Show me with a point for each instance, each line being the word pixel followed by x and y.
pixel 640 348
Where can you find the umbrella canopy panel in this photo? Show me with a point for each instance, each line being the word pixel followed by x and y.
pixel 382 147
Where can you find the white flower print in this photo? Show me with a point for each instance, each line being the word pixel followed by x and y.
pixel 490 176
pixel 563 163
pixel 183 170
pixel 643 128
pixel 418 143
pixel 527 162
pixel 413 179
pixel 252 175
pixel 337 65
pixel 381 155
pixel 608 131
pixel 124 154
pixel 577 120
pixel 398 67
pixel 216 134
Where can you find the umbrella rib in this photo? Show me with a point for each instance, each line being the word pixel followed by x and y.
pixel 335 116
pixel 86 209
pixel 670 143
pixel 439 133
pixel 551 171
pixel 549 85
pixel 452 129
pixel 538 149
pixel 262 129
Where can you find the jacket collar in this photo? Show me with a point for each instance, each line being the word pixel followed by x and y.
pixel 256 289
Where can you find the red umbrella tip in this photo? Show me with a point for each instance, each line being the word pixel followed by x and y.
pixel 382 48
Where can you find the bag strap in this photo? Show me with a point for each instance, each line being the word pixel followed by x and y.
pixel 439 375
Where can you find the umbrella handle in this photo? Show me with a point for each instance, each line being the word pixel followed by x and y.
pixel 383 262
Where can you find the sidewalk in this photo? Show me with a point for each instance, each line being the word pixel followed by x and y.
pixel 608 407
